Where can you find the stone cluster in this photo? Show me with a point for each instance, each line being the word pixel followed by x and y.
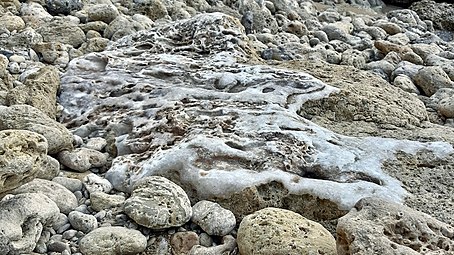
pixel 226 127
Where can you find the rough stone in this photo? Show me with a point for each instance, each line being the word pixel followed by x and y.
pixel 376 226
pixel 63 198
pixel 50 169
pixel 228 245
pixel 113 241
pixel 70 183
pixel 22 219
pixel 62 31
pixel 82 159
pixel 212 218
pixel 446 107
pixel 405 83
pixel 94 183
pixel 441 14
pixel 431 78
pixel 65 7
pixel 39 90
pixel 279 231
pixel 82 222
pixel 22 155
pixel 12 22
pixel 29 118
pixel 102 12
pixel 101 201
pixel 182 242
pixel 158 203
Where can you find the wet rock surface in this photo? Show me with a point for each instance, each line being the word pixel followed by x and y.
pixel 165 127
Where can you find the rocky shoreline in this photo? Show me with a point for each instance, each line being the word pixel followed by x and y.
pixel 226 127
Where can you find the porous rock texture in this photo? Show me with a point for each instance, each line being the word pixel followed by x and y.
pixel 376 226
pixel 22 157
pixel 279 231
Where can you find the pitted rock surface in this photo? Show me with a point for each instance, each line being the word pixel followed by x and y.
pixel 212 218
pixel 197 115
pixel 158 203
pixel 279 231
pixel 376 226
pixel 29 118
pixel 22 219
pixel 22 157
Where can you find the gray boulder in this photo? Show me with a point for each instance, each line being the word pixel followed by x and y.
pixel 212 218
pixel 441 14
pixel 65 7
pixel 22 219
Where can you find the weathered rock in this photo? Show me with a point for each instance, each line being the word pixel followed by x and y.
pixel 62 31
pixel 65 7
pixel 441 14
pixel 50 169
pixel 446 107
pixel 82 222
pixel 12 22
pixel 22 155
pixel 94 183
pixel 228 245
pixel 82 159
pixel 113 241
pixel 102 12
pixel 182 242
pixel 39 90
pixel 431 78
pixel 376 226
pixel 212 218
pixel 405 83
pixel 96 44
pixel 101 201
pixel 22 218
pixel 279 231
pixel 29 118
pixel 70 183
pixel 158 203
pixel 62 197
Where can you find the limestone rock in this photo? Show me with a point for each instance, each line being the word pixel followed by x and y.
pixel 158 203
pixel 102 12
pixel 82 159
pixel 22 154
pixel 212 218
pixel 113 241
pixel 94 183
pixel 50 169
pixel 182 242
pixel 446 107
pixel 102 201
pixel 376 226
pixel 38 90
pixel 405 83
pixel 62 197
pixel 228 245
pixel 22 219
pixel 82 222
pixel 29 118
pixel 70 183
pixel 62 31
pixel 279 231
pixel 12 22
pixel 432 78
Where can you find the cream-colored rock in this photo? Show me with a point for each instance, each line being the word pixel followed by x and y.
pixel 405 83
pixel 212 218
pixel 50 168
pixel 63 198
pixel 158 203
pixel 113 241
pixel 82 159
pixel 102 12
pixel 279 231
pixel 101 201
pixel 62 31
pixel 377 226
pixel 446 107
pixel 12 22
pixel 39 90
pixel 29 118
pixel 22 154
pixel 228 245
pixel 432 78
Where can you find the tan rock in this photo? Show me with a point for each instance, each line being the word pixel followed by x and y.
pixel 279 231
pixel 12 22
pixel 376 226
pixel 21 156
pixel 432 78
pixel 182 242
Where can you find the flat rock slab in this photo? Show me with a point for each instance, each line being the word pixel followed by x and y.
pixel 224 130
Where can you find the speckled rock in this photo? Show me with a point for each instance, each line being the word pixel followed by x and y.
pixel 62 31
pixel 228 245
pixel 12 22
pixel 101 201
pixel 102 12
pixel 70 183
pixel 446 107
pixel 212 218
pixel 405 83
pixel 63 198
pixel 113 241
pixel 22 154
pixel 82 159
pixel 376 226
pixel 182 242
pixel 279 231
pixel 158 203
pixel 441 14
pixel 94 183
pixel 39 89
pixel 22 219
pixel 29 118
pixel 431 78
pixel 82 222
pixel 65 7
pixel 50 169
